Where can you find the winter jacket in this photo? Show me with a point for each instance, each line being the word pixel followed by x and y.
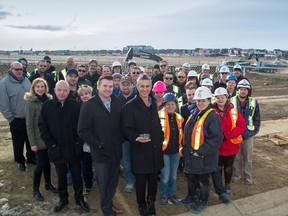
pixel 102 129
pixel 228 148
pixel 208 151
pixel 139 119
pixel 58 127
pixel 12 103
pixel 32 113
pixel 50 81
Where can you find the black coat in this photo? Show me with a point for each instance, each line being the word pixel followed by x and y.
pixel 207 161
pixel 58 126
pixel 138 119
pixel 102 129
pixel 48 78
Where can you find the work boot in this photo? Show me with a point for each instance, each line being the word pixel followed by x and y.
pixel 224 198
pixel 37 195
pixel 199 207
pixel 142 210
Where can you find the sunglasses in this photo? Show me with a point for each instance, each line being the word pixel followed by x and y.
pixel 168 78
pixel 18 69
pixel 79 70
pixel 163 65
pixel 135 72
pixel 181 77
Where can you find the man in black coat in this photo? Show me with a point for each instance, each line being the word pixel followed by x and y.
pixel 58 128
pixel 141 125
pixel 100 126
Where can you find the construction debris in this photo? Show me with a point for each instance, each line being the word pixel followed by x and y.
pixel 280 138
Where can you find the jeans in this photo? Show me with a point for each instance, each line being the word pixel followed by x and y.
pixel 217 182
pixel 107 175
pixel 126 162
pixel 169 174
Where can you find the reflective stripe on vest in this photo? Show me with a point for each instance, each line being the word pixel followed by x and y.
pixel 252 105
pixel 64 73
pixel 163 115
pixel 197 137
pixel 175 89
pixel 180 103
pixel 234 117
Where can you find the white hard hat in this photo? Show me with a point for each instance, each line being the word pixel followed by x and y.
pixel 131 62
pixel 205 67
pixel 224 69
pixel 220 91
pixel 244 84
pixel 202 93
pixel 141 69
pixel 192 73
pixel 207 82
pixel 116 64
pixel 237 66
pixel 186 66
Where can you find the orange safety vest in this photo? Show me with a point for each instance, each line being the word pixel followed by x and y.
pixel 234 117
pixel 197 136
pixel 163 115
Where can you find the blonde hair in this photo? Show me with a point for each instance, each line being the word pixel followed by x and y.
pixel 84 89
pixel 36 82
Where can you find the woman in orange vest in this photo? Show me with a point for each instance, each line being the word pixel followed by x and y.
pixel 172 128
pixel 202 139
pixel 233 125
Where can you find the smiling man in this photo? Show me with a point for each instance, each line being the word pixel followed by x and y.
pixel 100 119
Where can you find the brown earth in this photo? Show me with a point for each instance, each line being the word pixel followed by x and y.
pixel 270 166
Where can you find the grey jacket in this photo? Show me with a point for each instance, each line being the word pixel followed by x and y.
pixel 32 113
pixel 12 103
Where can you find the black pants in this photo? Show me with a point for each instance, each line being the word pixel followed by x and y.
pixel 107 175
pixel 217 182
pixel 87 172
pixel 61 169
pixel 43 165
pixel 198 182
pixel 227 162
pixel 19 137
pixel 141 183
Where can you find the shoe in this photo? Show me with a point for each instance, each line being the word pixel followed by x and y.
pixel 236 179
pixel 164 200
pixel 187 201
pixel 37 195
pixel 21 166
pixel 60 205
pixel 117 210
pixel 83 205
pixel 32 161
pixel 129 188
pixel 69 180
pixel 142 210
pixel 199 207
pixel 227 188
pixel 86 191
pixel 249 181
pixel 173 200
pixel 224 198
pixel 49 186
pixel 151 208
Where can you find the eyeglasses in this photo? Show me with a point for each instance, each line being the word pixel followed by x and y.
pixel 181 77
pixel 79 70
pixel 135 72
pixel 163 65
pixel 18 69
pixel 168 78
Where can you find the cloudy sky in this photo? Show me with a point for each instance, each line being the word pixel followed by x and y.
pixel 79 25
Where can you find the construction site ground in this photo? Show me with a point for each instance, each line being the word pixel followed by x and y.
pixel 267 196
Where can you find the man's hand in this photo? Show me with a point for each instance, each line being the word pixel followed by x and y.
pixel 34 148
pixel 143 139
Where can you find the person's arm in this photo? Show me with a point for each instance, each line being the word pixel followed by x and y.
pixel 5 106
pixel 29 119
pixel 257 119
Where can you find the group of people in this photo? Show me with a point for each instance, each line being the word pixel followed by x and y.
pixel 151 121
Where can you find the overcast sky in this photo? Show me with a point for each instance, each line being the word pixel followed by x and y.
pixel 89 25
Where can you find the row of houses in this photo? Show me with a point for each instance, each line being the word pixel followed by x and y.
pixel 231 52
